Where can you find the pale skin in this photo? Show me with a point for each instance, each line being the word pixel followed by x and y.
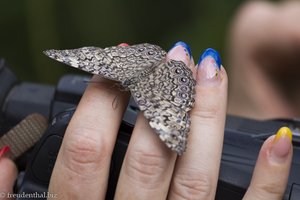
pixel 151 170
pixel 264 52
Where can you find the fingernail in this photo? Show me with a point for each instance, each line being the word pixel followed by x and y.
pixel 185 46
pixel 281 145
pixel 209 66
pixel 180 51
pixel 123 45
pixel 3 150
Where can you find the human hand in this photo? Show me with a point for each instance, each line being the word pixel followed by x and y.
pixel 150 170
pixel 264 49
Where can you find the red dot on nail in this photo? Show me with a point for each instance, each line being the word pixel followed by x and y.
pixel 123 45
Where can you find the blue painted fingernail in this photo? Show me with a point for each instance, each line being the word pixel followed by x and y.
pixel 185 46
pixel 212 53
pixel 209 67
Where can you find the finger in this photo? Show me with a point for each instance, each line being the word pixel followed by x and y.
pixel 181 52
pixel 272 168
pixel 290 14
pixel 186 57
pixel 123 45
pixel 82 166
pixel 193 68
pixel 8 174
pixel 148 164
pixel 196 172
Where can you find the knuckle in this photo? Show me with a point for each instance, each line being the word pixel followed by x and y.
pixel 82 153
pixel 207 112
pixel 190 185
pixel 207 106
pixel 145 168
pixel 269 190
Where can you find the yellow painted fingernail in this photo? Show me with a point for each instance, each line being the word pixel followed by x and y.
pixel 281 147
pixel 284 132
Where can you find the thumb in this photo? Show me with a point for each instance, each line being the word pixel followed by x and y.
pixel 8 174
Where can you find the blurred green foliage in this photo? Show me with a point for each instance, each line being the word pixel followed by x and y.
pixel 29 27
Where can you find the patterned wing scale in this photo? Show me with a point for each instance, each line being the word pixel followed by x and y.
pixel 165 96
pixel 164 91
pixel 118 63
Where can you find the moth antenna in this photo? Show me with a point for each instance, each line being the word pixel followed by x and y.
pixel 116 85
pixel 115 102
pixel 89 81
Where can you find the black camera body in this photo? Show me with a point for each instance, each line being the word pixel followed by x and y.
pixel 242 141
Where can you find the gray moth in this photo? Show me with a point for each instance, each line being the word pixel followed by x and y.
pixel 163 90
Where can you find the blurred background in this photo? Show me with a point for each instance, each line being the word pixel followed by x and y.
pixel 29 27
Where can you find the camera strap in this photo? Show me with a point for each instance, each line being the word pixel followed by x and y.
pixel 24 135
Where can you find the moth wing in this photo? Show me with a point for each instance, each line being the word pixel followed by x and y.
pixel 117 63
pixel 165 97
